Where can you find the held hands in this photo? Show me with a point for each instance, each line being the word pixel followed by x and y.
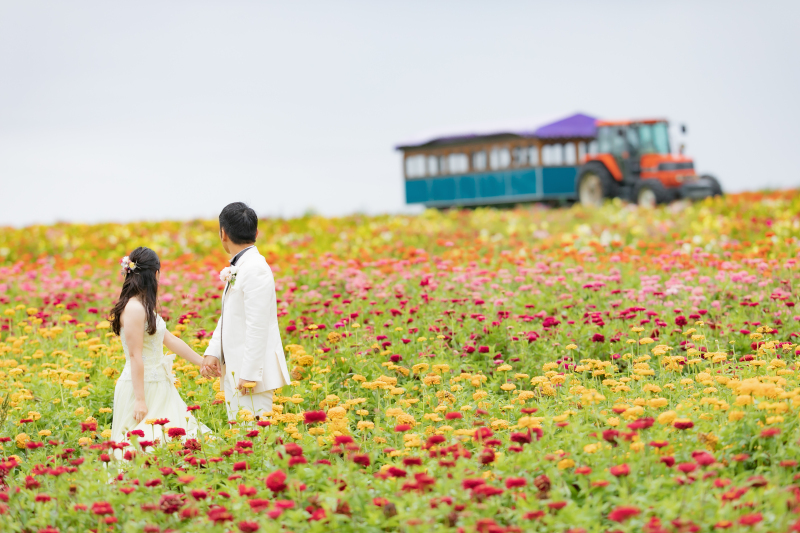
pixel 210 367
pixel 245 387
pixel 139 410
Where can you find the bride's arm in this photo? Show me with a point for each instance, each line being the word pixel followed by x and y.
pixel 134 317
pixel 182 349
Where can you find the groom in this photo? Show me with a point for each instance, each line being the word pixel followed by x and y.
pixel 245 349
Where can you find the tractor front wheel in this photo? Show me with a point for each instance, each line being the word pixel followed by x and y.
pixel 650 192
pixel 716 188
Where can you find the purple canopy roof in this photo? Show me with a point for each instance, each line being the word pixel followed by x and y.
pixel 578 125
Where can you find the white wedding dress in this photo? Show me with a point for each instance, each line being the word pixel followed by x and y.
pixel 160 394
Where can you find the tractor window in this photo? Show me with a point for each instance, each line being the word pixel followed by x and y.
pixel 647 146
pixel 661 138
pixel 605 138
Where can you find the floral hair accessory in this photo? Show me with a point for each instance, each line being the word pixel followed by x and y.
pixel 127 265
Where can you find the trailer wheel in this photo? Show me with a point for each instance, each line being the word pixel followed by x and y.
pixel 650 192
pixel 716 188
pixel 594 185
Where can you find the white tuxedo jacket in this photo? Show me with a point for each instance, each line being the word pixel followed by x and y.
pixel 248 327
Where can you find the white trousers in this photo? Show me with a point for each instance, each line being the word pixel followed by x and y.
pixel 258 403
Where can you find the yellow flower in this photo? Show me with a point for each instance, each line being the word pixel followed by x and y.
pixel 45 433
pixel 613 421
pixel 563 464
pixel 365 424
pixel 735 416
pixel 592 448
pixel 667 417
pixel 508 386
pixel 21 439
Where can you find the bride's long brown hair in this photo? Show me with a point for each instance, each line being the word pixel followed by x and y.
pixel 139 282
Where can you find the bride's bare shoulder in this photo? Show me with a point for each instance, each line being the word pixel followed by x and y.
pixel 133 313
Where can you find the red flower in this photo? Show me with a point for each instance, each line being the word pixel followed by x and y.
pixel 622 513
pixel 192 407
pixel 360 459
pixel 400 428
pixel 687 468
pixel 44 498
pixel 471 483
pixel 512 482
pixel 170 503
pixel 659 443
pixel 769 432
pixel 683 424
pixel 276 481
pixel 297 460
pixel 703 458
pixel 723 524
pixel 244 490
pixel 241 465
pixel 102 508
pixel 257 504
pixel 174 433
pixel 199 494
pixel 218 514
pixel 189 512
pixel 668 460
pixel 533 515
pixel 343 439
pixel 247 527
pixel 750 519
pixel 88 426
pixel 319 514
pixel 293 449
pixel 583 470
pixel 161 421
pixel 453 415
pixel 396 472
pixel 412 461
pixel 312 417
pixel 138 432
pixel 557 505
pixel 620 470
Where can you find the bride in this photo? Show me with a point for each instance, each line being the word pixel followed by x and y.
pixel 145 391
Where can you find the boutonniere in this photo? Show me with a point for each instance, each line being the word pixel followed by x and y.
pixel 228 275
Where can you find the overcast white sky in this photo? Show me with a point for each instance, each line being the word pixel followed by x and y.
pixel 152 110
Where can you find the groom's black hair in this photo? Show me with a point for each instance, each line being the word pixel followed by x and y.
pixel 240 222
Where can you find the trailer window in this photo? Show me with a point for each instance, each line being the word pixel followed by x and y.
pixel 458 163
pixel 533 155
pixel 433 165
pixel 415 166
pixel 499 158
pixel 520 156
pixel 553 154
pixel 569 154
pixel 479 160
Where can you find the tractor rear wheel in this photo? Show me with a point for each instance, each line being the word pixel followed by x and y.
pixel 650 192
pixel 594 185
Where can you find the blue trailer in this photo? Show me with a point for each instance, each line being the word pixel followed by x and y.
pixel 501 167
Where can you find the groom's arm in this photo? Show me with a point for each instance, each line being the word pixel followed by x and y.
pixel 258 290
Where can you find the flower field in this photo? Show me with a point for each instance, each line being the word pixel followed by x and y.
pixel 489 370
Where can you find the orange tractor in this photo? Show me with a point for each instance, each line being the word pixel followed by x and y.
pixel 634 162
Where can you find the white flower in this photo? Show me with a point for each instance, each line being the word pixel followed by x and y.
pixel 228 274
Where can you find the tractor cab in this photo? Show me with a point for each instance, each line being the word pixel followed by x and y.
pixel 634 161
